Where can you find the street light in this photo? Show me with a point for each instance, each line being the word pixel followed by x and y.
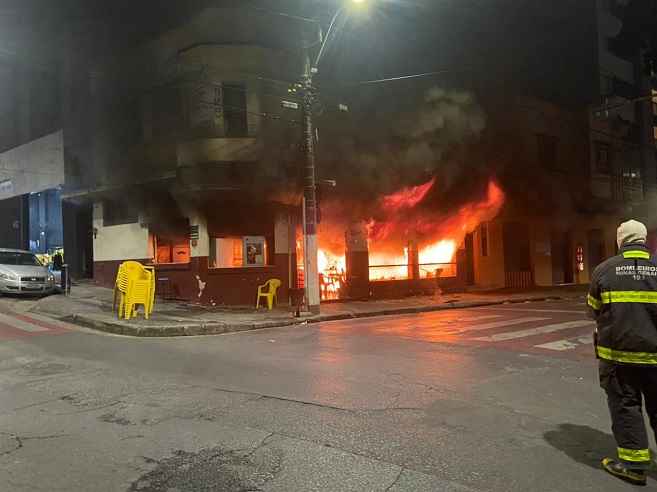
pixel 325 40
pixel 311 273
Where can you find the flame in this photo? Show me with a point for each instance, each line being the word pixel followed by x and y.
pixel 388 266
pixel 406 197
pixel 332 273
pixel 439 236
pixel 441 252
pixel 436 259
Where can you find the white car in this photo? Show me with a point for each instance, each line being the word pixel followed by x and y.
pixel 21 272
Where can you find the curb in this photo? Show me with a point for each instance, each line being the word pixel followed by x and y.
pixel 441 307
pixel 177 330
pixel 196 329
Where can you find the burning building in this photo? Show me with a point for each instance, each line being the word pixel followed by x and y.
pixel 183 158
pixel 405 246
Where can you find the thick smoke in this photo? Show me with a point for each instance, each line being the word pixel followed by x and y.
pixel 385 151
pixel 406 148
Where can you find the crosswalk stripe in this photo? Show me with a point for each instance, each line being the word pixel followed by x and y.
pixel 538 310
pixel 20 324
pixel 48 321
pixel 567 344
pixel 498 324
pixel 479 318
pixel 513 335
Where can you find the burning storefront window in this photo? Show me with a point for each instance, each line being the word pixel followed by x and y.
pixel 407 239
pixel 171 249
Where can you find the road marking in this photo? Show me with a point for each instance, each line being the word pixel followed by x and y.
pixel 48 322
pixel 567 344
pixel 513 335
pixel 479 318
pixel 498 324
pixel 574 311
pixel 20 324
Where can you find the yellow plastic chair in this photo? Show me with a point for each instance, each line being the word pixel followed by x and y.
pixel 135 284
pixel 268 291
pixel 151 270
pixel 120 291
pixel 141 287
pixel 140 295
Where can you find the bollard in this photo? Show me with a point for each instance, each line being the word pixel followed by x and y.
pixel 296 299
pixel 65 280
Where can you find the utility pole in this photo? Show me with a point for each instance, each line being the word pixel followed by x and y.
pixel 311 273
pixel 311 68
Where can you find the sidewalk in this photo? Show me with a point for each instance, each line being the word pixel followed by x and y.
pixel 91 306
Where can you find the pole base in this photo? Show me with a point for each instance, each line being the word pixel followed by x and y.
pixel 314 309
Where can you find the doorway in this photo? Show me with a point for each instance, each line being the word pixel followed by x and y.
pixel 517 257
pixel 596 248
pixel 78 239
pixel 563 271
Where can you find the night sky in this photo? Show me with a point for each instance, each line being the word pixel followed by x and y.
pixel 490 48
pixel 521 43
pixel 392 37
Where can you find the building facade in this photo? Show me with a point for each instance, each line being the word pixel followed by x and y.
pixel 589 168
pixel 184 153
pixel 31 157
pixel 200 182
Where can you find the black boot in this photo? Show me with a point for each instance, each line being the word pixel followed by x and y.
pixel 631 475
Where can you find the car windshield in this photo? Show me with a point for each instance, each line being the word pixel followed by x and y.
pixel 18 259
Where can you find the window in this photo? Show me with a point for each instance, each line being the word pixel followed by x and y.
pixel 118 213
pixel 19 259
pixel 171 250
pixel 227 252
pixel 165 112
pixel 547 151
pixel 238 251
pixel 483 231
pixel 235 110
pixel 602 157
pixel 606 85
pixel 631 174
pixel 205 103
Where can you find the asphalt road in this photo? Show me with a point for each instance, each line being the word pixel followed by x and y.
pixel 487 399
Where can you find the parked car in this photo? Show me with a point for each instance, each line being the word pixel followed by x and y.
pixel 21 272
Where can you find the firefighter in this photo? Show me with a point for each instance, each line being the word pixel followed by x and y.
pixel 623 300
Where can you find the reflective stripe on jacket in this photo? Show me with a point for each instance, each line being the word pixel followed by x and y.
pixel 623 299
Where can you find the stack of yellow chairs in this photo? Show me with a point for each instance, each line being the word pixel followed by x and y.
pixel 134 287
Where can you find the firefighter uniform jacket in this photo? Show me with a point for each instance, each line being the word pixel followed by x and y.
pixel 623 298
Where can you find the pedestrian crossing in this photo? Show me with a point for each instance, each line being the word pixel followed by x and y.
pixel 497 324
pixel 567 344
pixel 15 325
pixel 558 329
pixel 539 330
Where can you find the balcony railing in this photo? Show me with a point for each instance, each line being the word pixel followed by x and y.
pixel 627 189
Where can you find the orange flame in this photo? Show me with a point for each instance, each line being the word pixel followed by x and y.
pixel 406 197
pixel 439 236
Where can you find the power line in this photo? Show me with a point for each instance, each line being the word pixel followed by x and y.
pixel 609 107
pixel 283 14
pixel 624 142
pixel 236 109
pixel 287 95
pixel 407 77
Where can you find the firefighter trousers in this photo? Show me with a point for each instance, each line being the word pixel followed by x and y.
pixel 626 387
